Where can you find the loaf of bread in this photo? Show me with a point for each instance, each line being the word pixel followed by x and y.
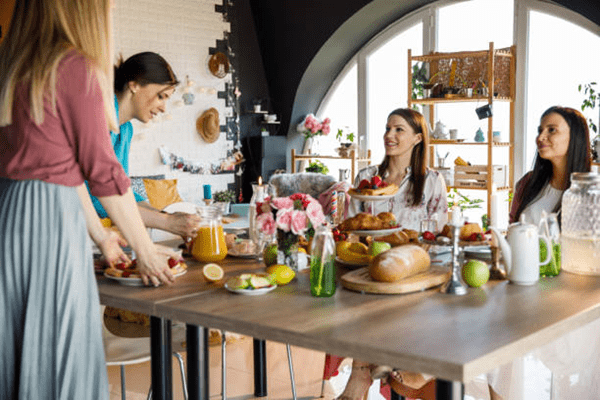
pixel 399 263
pixel 468 229
pixel 395 239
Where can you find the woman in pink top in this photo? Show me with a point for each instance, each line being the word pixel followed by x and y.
pixel 56 108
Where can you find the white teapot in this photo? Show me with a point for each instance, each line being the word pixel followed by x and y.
pixel 521 252
pixel 440 131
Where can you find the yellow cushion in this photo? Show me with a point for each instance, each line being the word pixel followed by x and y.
pixel 162 192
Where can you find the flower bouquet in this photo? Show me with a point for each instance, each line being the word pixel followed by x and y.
pixel 289 217
pixel 312 127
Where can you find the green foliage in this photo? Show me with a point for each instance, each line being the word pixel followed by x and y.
pixel 317 166
pixel 419 77
pixel 340 134
pixel 455 198
pixel 224 196
pixel 590 101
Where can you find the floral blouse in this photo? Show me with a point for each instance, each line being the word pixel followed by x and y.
pixel 434 203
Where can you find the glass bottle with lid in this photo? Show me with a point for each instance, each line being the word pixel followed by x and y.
pixel 580 237
pixel 209 245
pixel 322 263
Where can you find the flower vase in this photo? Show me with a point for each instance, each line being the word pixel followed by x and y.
pixel 287 249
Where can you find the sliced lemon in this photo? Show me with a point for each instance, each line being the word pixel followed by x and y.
pixel 212 272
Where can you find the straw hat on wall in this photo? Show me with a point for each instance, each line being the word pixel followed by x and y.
pixel 207 125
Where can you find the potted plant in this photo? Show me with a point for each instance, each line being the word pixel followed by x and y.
pixel 318 167
pixel 420 82
pixel 223 199
pixel 346 141
pixel 590 102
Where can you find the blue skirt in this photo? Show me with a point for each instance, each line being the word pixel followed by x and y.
pixel 50 327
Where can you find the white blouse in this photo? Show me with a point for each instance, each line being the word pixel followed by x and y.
pixel 434 203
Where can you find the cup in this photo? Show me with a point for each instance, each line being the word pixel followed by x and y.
pixel 496 137
pixel 429 224
pixel 453 134
pixel 257 108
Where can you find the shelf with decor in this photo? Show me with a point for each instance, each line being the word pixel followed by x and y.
pixel 355 161
pixel 454 78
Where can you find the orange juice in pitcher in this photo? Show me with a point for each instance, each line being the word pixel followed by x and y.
pixel 209 245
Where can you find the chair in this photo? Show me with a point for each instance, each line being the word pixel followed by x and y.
pixel 121 351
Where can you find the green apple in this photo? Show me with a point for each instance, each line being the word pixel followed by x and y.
pixel 378 247
pixel 475 273
pixel 270 254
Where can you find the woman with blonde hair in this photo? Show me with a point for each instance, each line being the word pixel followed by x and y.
pixel 55 113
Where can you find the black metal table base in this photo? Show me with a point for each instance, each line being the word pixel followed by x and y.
pixel 260 368
pixel 197 362
pixel 160 352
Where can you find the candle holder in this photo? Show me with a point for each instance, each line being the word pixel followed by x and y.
pixel 455 285
pixel 496 273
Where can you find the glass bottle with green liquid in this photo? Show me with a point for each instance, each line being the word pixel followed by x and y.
pixel 322 263
pixel 549 227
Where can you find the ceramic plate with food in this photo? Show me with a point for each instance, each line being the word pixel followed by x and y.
pixel 128 274
pixel 364 197
pixel 376 232
pixel 251 284
pixel 243 248
pixel 351 263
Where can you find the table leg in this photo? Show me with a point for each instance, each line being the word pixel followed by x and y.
pixel 449 390
pixel 197 362
pixel 260 368
pixel 161 364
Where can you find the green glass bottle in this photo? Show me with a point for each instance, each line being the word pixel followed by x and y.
pixel 322 263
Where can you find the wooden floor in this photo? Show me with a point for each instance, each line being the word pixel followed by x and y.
pixel 308 370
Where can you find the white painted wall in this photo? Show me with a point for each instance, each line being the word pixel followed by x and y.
pixel 182 31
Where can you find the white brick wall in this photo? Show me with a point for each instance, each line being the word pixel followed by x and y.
pixel 182 32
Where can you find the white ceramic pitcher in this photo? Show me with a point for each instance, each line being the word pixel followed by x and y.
pixel 521 252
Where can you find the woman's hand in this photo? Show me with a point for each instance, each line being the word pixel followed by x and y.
pixel 111 247
pixel 154 267
pixel 183 224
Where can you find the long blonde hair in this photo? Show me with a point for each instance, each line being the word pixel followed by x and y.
pixel 40 34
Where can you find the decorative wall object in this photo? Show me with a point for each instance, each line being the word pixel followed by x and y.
pixel 220 166
pixel 207 125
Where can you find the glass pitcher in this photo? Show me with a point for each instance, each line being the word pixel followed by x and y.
pixel 209 245
pixel 580 236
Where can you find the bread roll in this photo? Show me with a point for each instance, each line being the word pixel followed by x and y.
pixel 399 263
pixel 395 239
pixel 468 229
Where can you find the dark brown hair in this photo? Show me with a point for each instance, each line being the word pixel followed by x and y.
pixel 578 156
pixel 418 158
pixel 143 68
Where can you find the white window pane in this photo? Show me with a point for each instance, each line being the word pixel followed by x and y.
pixel 387 83
pixel 471 25
pixel 562 55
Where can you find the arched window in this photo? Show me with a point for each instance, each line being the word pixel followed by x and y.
pixel 555 53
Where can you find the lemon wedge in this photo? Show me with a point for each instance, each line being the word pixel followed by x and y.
pixel 213 272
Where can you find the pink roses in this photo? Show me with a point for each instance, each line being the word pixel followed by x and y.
pixel 296 213
pixel 311 126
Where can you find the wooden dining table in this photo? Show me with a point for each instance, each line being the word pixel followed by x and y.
pixel 455 338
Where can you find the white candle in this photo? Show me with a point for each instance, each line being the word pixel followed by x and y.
pixel 457 219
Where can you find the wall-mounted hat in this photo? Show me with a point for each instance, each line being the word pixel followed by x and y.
pixel 207 125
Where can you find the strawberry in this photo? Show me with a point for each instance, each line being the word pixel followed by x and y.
pixel 475 237
pixel 364 184
pixel 383 184
pixel 126 274
pixel 172 262
pixel 121 266
pixel 427 235
pixel 134 263
pixel 376 181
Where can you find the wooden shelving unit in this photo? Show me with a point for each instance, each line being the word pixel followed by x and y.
pixel 353 158
pixel 498 67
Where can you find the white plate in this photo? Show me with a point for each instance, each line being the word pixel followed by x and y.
pixel 376 232
pixel 251 292
pixel 351 264
pixel 364 197
pixel 136 281
pixel 239 255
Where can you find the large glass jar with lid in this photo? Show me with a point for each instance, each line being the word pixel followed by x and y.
pixel 580 236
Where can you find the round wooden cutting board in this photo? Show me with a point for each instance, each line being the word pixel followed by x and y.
pixel 360 281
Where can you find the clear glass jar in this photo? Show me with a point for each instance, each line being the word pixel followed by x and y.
pixel 549 228
pixel 259 192
pixel 322 263
pixel 580 237
pixel 209 245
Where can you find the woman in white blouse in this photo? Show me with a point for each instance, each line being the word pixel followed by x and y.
pixel 422 192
